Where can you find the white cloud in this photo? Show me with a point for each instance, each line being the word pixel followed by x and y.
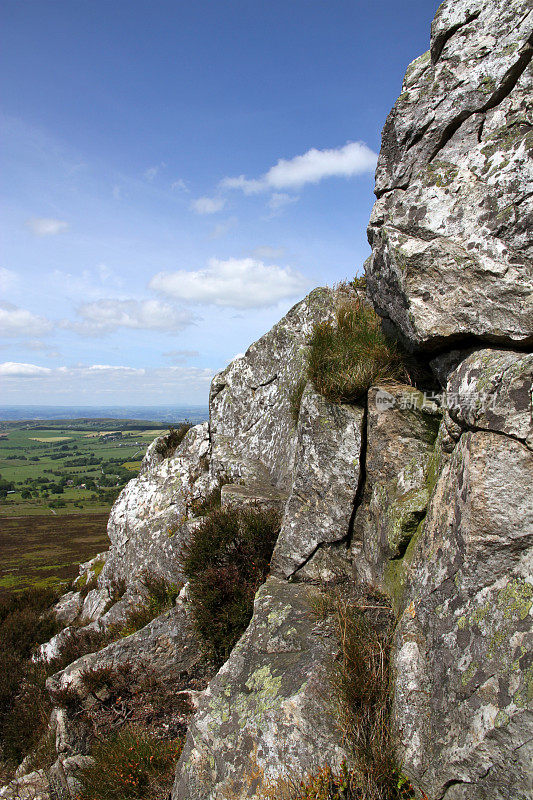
pixel 279 200
pixel 108 367
pixel 11 369
pixel 354 158
pixel 235 283
pixel 20 322
pixel 208 205
pixel 44 226
pixel 109 384
pixel 104 316
pixel 265 251
pixel 8 279
pixel 179 185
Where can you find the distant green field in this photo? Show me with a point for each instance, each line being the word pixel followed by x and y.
pixel 71 466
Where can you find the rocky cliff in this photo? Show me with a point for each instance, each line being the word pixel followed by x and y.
pixel 422 493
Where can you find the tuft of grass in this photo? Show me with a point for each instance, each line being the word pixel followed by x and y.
pixel 327 784
pixel 352 354
pixel 131 764
pixel 212 500
pixel 160 596
pixel 226 560
pixel 295 398
pixel 361 683
pixel 168 444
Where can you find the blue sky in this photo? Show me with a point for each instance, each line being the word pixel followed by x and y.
pixel 176 175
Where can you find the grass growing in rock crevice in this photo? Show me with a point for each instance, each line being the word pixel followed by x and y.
pixel 226 561
pixel 361 698
pixel 349 355
pixel 167 445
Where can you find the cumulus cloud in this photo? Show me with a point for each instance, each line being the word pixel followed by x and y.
pixel 45 226
pixel 354 158
pixel 16 321
pixel 208 205
pixel 107 367
pixel 11 369
pixel 234 283
pixel 111 384
pixel 104 316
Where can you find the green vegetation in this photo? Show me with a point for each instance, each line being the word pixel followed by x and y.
pixel 24 624
pixel 168 444
pixel 211 501
pixel 131 764
pixel 361 696
pixel 352 354
pixel 295 398
pixel 69 465
pixel 226 560
pixel 160 596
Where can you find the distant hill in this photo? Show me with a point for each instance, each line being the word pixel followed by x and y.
pixel 155 413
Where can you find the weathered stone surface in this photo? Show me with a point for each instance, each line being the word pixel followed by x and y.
pixel 267 497
pixel 253 435
pixel 491 390
pixel 401 429
pixel 63 776
pixel 449 231
pixel 168 643
pixel 464 641
pixel 325 481
pixel 265 715
pixel 150 519
pixel 168 646
pixel 34 786
pixel 68 608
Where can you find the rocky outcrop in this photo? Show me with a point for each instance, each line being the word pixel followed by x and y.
pixel 151 518
pixel 253 436
pixel 451 255
pixel 265 715
pixel 424 495
pixel 325 481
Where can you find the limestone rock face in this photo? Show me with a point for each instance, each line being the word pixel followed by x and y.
pixel 451 254
pixel 464 641
pixel 253 435
pixel 265 715
pixel 150 518
pixel 325 481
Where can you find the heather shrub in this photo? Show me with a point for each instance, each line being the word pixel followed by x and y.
pixel 130 764
pixel 352 354
pixel 226 560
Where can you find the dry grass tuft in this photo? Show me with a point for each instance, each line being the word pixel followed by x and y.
pixel 352 354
